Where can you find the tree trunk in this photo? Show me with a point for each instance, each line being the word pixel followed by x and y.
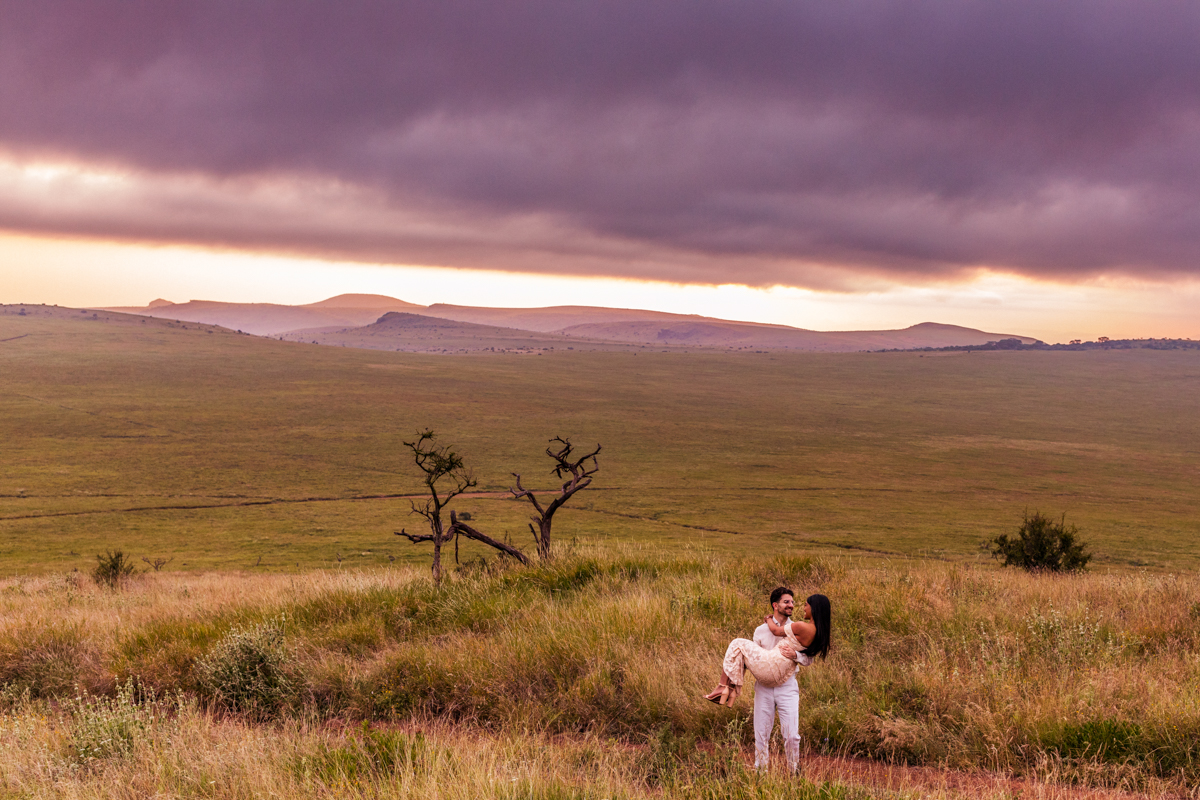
pixel 437 560
pixel 543 537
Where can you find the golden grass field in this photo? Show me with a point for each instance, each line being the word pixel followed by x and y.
pixel 274 473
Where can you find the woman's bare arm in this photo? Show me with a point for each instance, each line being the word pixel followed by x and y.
pixel 781 630
pixel 804 631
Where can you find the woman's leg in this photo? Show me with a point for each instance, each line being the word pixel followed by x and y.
pixel 740 655
pixel 732 670
pixel 733 666
pixel 769 667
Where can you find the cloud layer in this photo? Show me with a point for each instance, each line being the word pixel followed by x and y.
pixel 803 143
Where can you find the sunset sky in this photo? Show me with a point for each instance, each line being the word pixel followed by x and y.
pixel 1023 167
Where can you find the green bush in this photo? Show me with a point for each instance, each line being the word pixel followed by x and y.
pixel 1042 544
pixel 112 569
pixel 249 671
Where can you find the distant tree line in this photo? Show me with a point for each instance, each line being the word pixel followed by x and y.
pixel 1103 343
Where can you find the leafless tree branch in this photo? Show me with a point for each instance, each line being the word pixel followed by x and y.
pixel 564 464
pixel 415 538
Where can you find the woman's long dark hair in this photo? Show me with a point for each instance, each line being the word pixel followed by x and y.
pixel 819 604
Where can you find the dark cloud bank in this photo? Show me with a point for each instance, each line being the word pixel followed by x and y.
pixel 800 142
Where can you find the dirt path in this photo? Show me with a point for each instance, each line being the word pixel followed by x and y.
pixel 239 504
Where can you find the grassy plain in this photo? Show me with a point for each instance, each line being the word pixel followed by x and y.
pixel 225 451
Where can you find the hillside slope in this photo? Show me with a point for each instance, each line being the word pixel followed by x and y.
pixel 716 333
pixel 414 333
pixel 328 322
pixel 551 318
pixel 272 319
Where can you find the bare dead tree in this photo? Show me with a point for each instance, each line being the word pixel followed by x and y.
pixel 565 464
pixel 440 464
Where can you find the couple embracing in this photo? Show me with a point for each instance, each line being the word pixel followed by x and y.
pixel 778 648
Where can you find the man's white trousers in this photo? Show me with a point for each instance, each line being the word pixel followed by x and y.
pixel 784 700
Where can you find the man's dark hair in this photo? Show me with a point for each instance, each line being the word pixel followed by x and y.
pixel 778 594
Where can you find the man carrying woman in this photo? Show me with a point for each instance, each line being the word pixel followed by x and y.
pixel 778 647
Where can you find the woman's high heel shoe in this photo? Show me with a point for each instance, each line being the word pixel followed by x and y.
pixel 718 697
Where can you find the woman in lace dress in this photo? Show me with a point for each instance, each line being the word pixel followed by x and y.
pixel 807 638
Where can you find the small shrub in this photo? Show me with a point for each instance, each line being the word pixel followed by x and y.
pixel 249 671
pixel 1042 544
pixel 556 579
pixel 112 569
pixel 158 563
pixel 109 727
pixel 795 572
pixel 14 698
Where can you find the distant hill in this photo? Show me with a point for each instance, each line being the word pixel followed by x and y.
pixel 659 328
pixel 330 322
pixel 270 319
pixel 722 334
pixel 423 334
pixel 371 301
pixel 122 319
pixel 551 318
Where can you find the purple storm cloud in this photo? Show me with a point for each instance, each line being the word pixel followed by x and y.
pixel 807 143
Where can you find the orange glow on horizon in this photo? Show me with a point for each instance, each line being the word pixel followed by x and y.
pixel 90 273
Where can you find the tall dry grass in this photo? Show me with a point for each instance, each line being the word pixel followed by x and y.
pixel 190 752
pixel 1090 679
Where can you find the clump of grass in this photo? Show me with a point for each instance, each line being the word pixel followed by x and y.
pixel 50 660
pixel 163 653
pixel 249 671
pixel 371 754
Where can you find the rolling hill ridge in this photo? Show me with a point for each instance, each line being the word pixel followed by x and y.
pixel 364 320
